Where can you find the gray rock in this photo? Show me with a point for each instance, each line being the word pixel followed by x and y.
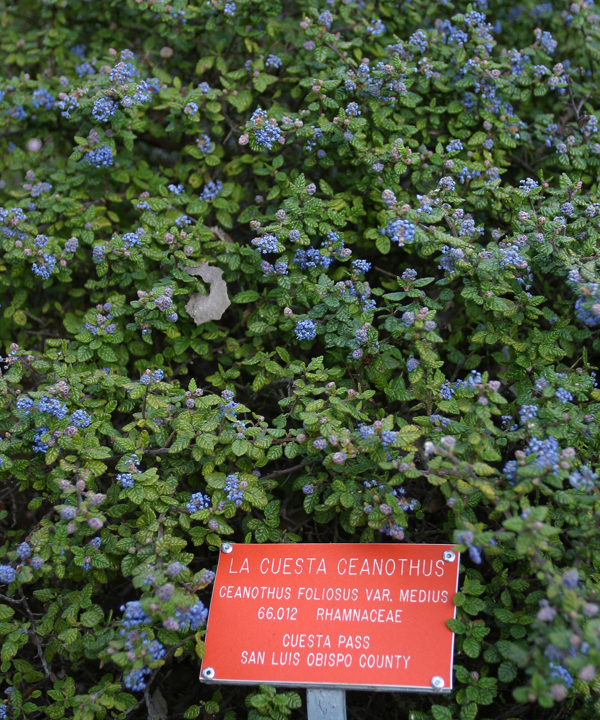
pixel 212 306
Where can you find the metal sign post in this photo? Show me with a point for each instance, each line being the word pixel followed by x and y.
pixel 325 704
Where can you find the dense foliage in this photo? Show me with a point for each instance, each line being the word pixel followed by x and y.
pixel 404 202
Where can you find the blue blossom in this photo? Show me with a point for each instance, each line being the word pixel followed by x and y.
pixel 561 673
pixel 104 108
pixel 362 266
pixel 311 258
pixel 325 18
pixel 563 395
pixel 123 72
pixel 39 446
pixel 547 42
pixel 71 245
pixel 419 38
pixel 266 131
pixel 375 27
pixel 42 98
pixel 211 190
pixel 133 615
pixel 447 184
pixel 528 185
pixel 400 230
pixel 273 61
pixel 192 617
pixel 100 158
pixel 366 431
pixel 583 478
pixel 234 491
pixel 81 419
pixel 24 550
pixel 548 453
pixel 205 144
pixel 229 8
pixel 527 413
pixel 133 239
pixel 53 407
pixel 454 146
pixel 85 69
pixel 7 574
pixel 135 679
pixel 388 437
pixel 125 480
pixel 44 267
pixel 446 391
pixel 199 501
pixel 24 404
pixel 265 243
pixel 306 329
pixel 173 569
pixel 408 318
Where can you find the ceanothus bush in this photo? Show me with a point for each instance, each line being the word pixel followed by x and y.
pixel 403 202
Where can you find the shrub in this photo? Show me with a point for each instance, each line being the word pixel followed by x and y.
pixel 403 204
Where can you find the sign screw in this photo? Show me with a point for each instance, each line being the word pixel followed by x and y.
pixel 437 682
pixel 449 556
pixel 227 548
pixel 209 674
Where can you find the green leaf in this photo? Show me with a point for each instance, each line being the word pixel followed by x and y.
pixel 246 296
pixel 93 616
pixel 440 712
pixel 507 672
pixel 383 244
pixel 471 647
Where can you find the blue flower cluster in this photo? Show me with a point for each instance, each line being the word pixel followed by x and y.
pixel 7 574
pixel 399 230
pixel 361 266
pixel 100 158
pixel 266 131
pixel 547 457
pixel 38 445
pixel 583 478
pixel 150 377
pixel 199 501
pixel 133 615
pixel 125 480
pixel 234 488
pixel 81 419
pixel 311 258
pixel 211 190
pixel 465 537
pixel 42 98
pixel 191 617
pixel 104 108
pixel 122 73
pixel 265 243
pixel 273 61
pixel 306 329
pixel 205 144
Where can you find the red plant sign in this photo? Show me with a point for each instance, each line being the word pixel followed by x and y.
pixel 352 615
